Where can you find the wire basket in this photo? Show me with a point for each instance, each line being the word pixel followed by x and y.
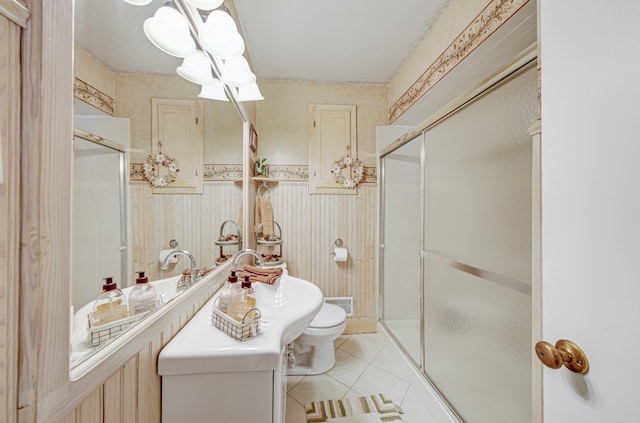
pixel 98 335
pixel 248 328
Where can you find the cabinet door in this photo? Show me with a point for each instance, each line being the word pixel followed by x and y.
pixel 177 125
pixel 332 136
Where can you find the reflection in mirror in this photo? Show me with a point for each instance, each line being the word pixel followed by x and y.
pixel 99 215
pixel 118 73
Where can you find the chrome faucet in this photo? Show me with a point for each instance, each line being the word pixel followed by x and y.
pixel 195 277
pixel 234 264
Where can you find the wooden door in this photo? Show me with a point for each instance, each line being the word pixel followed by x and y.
pixel 332 136
pixel 177 132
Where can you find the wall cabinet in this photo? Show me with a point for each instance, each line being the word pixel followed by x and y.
pixel 177 131
pixel 332 136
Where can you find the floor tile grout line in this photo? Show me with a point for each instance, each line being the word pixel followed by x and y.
pixel 369 363
pixel 386 371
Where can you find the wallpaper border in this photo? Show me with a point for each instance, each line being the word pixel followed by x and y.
pixel 492 17
pixel 233 172
pixel 93 96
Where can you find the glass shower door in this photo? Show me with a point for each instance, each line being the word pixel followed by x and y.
pixel 99 221
pixel 477 257
pixel 402 237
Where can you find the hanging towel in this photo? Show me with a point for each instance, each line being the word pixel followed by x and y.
pixel 256 215
pixel 266 216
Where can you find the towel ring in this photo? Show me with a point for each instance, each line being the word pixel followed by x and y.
pixel 261 190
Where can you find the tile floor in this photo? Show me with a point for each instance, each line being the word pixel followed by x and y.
pixel 365 364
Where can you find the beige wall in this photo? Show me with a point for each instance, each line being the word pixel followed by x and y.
pixel 282 117
pixel 94 72
pixel 223 126
pixel 449 25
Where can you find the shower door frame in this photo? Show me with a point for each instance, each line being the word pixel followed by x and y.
pixel 381 230
pixel 526 61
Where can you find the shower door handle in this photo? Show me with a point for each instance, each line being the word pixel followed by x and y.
pixel 565 353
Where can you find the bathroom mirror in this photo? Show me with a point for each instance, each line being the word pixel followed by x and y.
pixel 116 60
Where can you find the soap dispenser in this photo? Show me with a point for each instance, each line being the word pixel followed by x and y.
pixel 229 294
pixel 143 296
pixel 246 303
pixel 110 305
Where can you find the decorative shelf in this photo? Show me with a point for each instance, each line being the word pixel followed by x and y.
pixel 264 180
pixel 260 180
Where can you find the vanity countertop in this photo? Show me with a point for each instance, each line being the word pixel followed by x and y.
pixel 287 308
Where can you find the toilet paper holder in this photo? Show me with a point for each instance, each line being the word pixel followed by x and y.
pixel 339 252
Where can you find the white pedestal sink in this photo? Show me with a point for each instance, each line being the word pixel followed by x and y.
pixel 209 376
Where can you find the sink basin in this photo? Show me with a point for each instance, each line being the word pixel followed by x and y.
pixel 287 308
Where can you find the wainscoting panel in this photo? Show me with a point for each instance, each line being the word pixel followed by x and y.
pixel 133 392
pixel 193 220
pixel 311 224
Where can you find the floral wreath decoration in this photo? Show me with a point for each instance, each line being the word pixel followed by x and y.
pixel 356 172
pixel 151 168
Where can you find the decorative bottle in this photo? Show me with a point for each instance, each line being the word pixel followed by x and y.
pixel 110 305
pixel 246 303
pixel 143 296
pixel 229 294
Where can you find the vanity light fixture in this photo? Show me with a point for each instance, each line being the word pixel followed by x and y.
pixel 236 72
pixel 178 27
pixel 169 31
pixel 214 91
pixel 139 2
pixel 249 92
pixel 204 4
pixel 220 37
pixel 196 68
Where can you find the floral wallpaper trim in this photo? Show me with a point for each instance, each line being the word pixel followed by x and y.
pixel 92 96
pixel 288 172
pixel 496 13
pixel 233 172
pixel 222 172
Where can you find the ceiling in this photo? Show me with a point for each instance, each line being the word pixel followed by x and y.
pixel 364 41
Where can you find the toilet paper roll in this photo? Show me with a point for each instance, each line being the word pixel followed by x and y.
pixel 164 254
pixel 340 254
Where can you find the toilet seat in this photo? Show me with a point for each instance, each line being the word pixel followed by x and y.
pixel 330 315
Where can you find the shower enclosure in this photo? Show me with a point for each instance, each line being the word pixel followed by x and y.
pixel 455 250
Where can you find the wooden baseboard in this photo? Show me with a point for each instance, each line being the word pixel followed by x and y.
pixel 362 325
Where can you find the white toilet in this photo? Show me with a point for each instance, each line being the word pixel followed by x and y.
pixel 313 352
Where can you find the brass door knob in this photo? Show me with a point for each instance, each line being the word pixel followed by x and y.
pixel 564 352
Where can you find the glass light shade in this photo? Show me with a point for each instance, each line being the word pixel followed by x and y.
pixel 249 92
pixel 221 42
pixel 221 19
pixel 236 72
pixel 214 91
pixel 139 2
pixel 169 31
pixel 196 68
pixel 205 4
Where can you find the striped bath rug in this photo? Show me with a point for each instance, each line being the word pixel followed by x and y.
pixel 372 408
